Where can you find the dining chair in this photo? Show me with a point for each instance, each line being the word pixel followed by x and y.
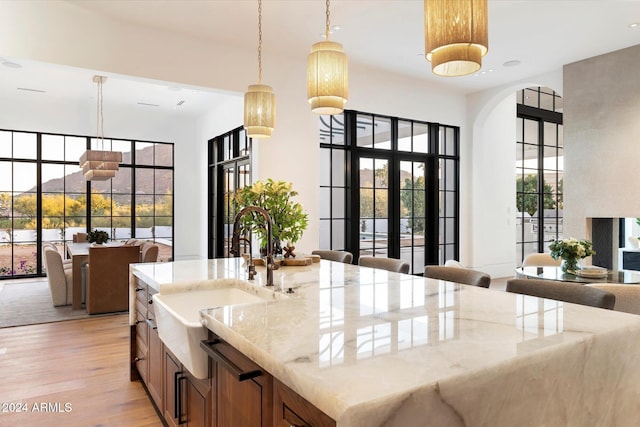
pixel 453 263
pixel 60 279
pixel 66 263
pixel 79 238
pixel 465 276
pixel 389 264
pixel 627 296
pixel 149 252
pixel 339 256
pixel 563 291
pixel 107 278
pixel 540 260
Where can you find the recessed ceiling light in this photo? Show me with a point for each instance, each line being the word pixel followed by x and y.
pixel 483 72
pixel 148 105
pixel 181 102
pixel 512 63
pixel 634 25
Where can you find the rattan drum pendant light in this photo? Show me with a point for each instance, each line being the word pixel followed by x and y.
pixel 327 75
pixel 100 165
pixel 456 35
pixel 259 100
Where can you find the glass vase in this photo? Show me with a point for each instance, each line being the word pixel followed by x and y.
pixel 569 265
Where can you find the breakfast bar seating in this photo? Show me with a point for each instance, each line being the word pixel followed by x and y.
pixel 334 339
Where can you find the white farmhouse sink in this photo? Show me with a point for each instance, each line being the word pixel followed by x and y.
pixel 178 320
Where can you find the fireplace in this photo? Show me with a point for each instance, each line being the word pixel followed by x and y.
pixel 610 237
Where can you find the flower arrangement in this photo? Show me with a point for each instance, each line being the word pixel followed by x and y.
pixel 97 236
pixel 570 251
pixel 289 219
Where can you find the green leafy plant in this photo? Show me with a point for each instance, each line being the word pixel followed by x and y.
pixel 289 219
pixel 97 236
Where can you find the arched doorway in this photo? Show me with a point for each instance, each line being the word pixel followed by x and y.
pixel 539 170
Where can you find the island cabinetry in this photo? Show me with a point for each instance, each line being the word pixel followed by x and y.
pixel 180 398
pixel 140 336
pixel 292 410
pixel 148 346
pixel 155 353
pixel 243 392
pixel 187 400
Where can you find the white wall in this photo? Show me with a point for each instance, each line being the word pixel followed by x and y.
pixel 222 118
pixel 488 229
pixel 602 131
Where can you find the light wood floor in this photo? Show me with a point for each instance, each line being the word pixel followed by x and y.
pixel 77 369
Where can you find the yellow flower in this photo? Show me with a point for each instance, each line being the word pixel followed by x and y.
pixel 257 187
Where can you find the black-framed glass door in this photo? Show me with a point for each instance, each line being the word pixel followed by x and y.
pixel 539 171
pixel 389 188
pixel 229 171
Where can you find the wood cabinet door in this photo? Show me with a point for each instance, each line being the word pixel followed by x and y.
pixel 172 375
pixel 141 340
pixel 155 354
pixel 197 405
pixel 290 409
pixel 243 392
pixel 239 402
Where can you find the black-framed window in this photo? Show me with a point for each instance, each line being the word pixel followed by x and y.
pixel 539 170
pixel 229 169
pixel 389 187
pixel 44 196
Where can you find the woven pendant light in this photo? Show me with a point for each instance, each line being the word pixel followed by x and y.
pixel 456 35
pixel 327 75
pixel 259 100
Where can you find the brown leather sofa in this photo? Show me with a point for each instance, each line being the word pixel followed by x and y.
pixel 107 278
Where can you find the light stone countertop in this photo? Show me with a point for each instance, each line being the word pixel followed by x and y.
pixel 374 348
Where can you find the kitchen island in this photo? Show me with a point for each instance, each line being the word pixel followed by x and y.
pixel 373 348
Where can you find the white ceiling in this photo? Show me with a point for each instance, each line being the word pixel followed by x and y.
pixel 388 34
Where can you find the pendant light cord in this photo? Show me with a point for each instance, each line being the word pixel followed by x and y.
pixel 259 41
pixel 100 116
pixel 326 34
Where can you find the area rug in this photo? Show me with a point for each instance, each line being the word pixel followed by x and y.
pixel 29 302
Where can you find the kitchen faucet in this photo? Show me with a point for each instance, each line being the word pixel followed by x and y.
pixel 235 242
pixel 251 266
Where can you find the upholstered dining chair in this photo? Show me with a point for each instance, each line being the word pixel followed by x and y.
pixel 339 256
pixel 107 278
pixel 79 238
pixel 627 296
pixel 465 276
pixel 389 264
pixel 60 279
pixel 563 291
pixel 453 263
pixel 540 260
pixel 66 263
pixel 149 252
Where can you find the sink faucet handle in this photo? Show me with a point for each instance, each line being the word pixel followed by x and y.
pixel 251 269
